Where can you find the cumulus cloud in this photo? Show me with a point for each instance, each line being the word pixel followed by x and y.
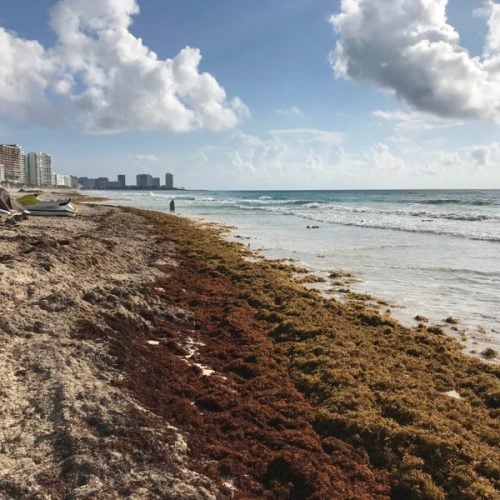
pixel 286 151
pixel 108 78
pixel 25 74
pixel 302 158
pixel 491 11
pixel 408 47
pixel 468 158
pixel 315 159
pixel 384 159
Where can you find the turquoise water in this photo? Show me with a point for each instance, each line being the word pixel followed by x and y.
pixel 435 253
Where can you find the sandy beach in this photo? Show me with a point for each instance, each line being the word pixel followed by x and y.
pixel 143 356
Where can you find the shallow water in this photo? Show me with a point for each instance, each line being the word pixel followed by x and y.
pixel 433 253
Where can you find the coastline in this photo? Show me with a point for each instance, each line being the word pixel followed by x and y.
pixel 416 274
pixel 253 383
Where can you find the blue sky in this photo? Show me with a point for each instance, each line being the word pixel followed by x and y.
pixel 408 99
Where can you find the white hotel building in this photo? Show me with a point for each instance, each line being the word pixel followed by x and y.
pixel 39 169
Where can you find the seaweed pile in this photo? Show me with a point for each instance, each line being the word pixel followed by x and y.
pixel 211 370
pixel 375 386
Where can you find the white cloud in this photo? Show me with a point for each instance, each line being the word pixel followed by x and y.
pixel 150 158
pixel 286 152
pixel 25 73
pixel 308 135
pixel 409 123
pixel 101 73
pixel 492 13
pixel 292 112
pixel 301 157
pixel 408 47
pixel 312 158
pixel 242 164
pixel 383 159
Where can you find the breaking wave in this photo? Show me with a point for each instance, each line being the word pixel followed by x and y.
pixel 463 225
pixel 478 203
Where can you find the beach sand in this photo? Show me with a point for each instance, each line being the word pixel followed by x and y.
pixel 66 425
pixel 141 355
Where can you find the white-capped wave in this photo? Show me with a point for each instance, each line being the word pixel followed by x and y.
pixel 390 220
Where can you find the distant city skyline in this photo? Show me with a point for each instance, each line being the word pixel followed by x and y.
pixel 34 169
pixel 143 181
pixel 243 95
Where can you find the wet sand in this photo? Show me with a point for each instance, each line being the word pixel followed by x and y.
pixel 142 355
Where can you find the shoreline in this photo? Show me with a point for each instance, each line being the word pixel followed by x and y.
pixel 225 358
pixel 345 286
pixel 417 293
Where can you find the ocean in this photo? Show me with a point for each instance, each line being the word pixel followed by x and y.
pixel 433 253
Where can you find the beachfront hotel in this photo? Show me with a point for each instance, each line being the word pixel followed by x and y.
pixel 11 157
pixel 39 169
pixel 34 168
pixel 144 181
pixel 147 181
pixel 169 181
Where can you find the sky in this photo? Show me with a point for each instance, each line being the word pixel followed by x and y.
pixel 267 94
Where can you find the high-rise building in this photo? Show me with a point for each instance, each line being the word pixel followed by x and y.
pixel 156 183
pixel 2 173
pixel 102 183
pixel 24 167
pixel 169 181
pixel 39 169
pixel 144 181
pixel 61 180
pixel 87 183
pixel 11 157
pixel 122 181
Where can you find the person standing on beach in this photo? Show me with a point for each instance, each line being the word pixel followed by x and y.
pixel 172 206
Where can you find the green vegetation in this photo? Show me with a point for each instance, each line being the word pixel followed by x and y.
pixel 28 199
pixel 374 383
